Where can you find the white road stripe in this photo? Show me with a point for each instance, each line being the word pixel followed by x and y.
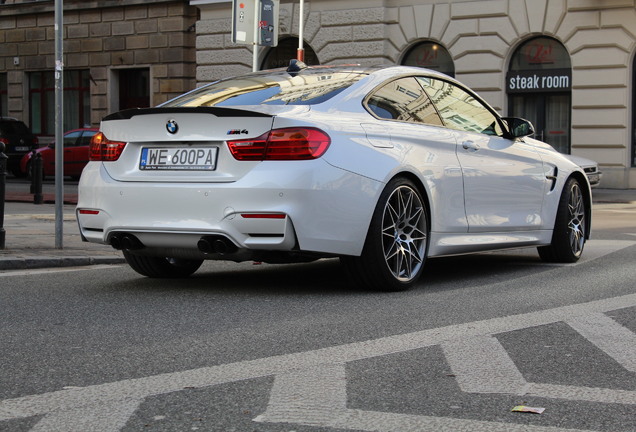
pixel 482 365
pixel 10 273
pixel 615 340
pixel 109 417
pixel 138 389
pixel 309 396
pixel 588 394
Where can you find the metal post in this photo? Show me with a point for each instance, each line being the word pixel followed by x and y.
pixel 257 13
pixel 300 55
pixel 37 174
pixel 59 123
pixel 3 181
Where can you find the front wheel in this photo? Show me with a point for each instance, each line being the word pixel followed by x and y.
pixel 160 267
pixel 396 244
pixel 568 237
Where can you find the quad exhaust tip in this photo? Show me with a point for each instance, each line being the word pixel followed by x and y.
pixel 216 244
pixel 125 241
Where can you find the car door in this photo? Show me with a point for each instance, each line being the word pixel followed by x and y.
pixel 503 179
pixel 409 123
pixel 70 142
pixel 81 153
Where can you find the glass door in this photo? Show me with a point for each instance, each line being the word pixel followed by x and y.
pixel 550 115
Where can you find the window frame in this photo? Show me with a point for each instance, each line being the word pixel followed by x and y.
pixel 502 124
pixel 365 102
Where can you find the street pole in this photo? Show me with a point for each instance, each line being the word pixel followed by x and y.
pixel 300 55
pixel 59 124
pixel 257 4
pixel 3 182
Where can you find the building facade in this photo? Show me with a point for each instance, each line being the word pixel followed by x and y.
pixel 117 54
pixel 567 65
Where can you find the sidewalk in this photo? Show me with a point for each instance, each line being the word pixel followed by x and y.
pixel 30 239
pixel 30 232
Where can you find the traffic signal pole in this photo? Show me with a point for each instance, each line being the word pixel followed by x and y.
pixel 300 55
pixel 59 125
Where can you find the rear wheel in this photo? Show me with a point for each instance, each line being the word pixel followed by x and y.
pixel 160 267
pixel 568 237
pixel 396 245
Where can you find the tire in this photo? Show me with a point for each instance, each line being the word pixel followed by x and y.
pixel 159 267
pixel 397 241
pixel 17 173
pixel 570 226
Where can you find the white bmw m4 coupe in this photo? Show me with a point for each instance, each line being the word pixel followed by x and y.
pixel 383 167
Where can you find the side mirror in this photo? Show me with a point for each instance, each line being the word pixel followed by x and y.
pixel 519 127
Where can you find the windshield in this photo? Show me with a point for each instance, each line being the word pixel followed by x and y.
pixel 270 89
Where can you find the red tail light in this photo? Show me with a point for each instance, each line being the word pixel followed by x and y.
pixel 282 144
pixel 105 150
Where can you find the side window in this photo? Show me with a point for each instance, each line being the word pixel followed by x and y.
pixel 71 138
pixel 404 100
pixel 86 138
pixel 459 109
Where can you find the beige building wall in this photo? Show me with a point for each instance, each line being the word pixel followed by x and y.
pixel 481 36
pixel 101 36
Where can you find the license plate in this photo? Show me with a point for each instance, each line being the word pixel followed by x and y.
pixel 22 148
pixel 179 159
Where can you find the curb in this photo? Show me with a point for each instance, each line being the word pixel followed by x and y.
pixel 39 262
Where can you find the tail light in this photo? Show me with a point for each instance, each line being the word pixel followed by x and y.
pixel 282 144
pixel 4 141
pixel 105 150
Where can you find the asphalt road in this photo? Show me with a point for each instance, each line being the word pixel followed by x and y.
pixel 244 347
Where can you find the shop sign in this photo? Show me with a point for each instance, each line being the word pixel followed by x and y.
pixel 549 80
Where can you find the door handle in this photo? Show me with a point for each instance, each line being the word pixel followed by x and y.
pixel 470 146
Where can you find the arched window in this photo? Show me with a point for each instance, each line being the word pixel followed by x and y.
pixel 280 55
pixel 539 87
pixel 430 55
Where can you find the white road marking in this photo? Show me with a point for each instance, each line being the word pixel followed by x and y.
pixel 108 417
pixel 588 394
pixel 312 396
pixel 482 365
pixel 317 397
pixel 615 340
pixel 127 393
pixel 9 273
pixel 310 387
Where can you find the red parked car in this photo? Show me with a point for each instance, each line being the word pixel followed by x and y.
pixel 76 144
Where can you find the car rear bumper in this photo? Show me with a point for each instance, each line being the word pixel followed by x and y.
pixel 280 206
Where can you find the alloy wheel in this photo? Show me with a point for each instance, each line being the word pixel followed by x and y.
pixel 576 222
pixel 404 233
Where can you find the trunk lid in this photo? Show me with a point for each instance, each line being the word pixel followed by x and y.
pixel 177 144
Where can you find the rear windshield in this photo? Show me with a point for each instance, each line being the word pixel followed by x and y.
pixel 13 128
pixel 270 89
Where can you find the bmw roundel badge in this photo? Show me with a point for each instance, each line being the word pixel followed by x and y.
pixel 172 126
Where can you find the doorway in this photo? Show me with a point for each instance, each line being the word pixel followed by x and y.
pixel 539 84
pixel 550 115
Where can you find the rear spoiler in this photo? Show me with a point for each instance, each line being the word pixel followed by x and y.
pixel 215 111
